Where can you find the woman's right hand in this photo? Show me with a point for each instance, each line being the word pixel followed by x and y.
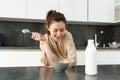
pixel 37 36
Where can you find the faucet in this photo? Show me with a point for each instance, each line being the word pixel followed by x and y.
pixel 96 43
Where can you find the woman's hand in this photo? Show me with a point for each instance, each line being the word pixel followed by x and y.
pixel 37 36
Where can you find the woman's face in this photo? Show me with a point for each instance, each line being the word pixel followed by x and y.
pixel 57 30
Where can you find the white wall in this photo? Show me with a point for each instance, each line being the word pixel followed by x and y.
pixel 31 57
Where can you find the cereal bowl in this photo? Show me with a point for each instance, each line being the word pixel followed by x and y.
pixel 60 66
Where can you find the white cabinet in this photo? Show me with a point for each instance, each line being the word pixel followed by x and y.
pixel 117 10
pixel 74 10
pixel 117 1
pixel 31 57
pixel 20 57
pixel 37 9
pixel 13 8
pixel 101 10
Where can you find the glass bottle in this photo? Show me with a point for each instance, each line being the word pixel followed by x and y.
pixel 90 58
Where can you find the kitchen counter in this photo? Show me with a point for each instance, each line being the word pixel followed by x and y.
pixel 105 72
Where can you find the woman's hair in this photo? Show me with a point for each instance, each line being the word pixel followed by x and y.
pixel 52 15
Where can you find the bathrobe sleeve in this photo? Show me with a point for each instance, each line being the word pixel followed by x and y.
pixel 45 48
pixel 71 51
pixel 43 57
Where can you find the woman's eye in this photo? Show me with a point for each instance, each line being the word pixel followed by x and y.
pixel 55 30
pixel 62 30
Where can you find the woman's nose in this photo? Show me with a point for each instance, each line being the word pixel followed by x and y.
pixel 59 33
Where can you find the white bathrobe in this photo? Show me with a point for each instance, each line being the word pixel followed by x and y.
pixel 64 50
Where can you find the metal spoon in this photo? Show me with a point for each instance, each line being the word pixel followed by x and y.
pixel 26 31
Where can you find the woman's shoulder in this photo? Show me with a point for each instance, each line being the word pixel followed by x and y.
pixel 68 39
pixel 46 36
pixel 68 34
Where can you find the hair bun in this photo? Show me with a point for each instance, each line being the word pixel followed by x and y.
pixel 50 13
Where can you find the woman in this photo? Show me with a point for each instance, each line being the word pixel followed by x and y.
pixel 57 44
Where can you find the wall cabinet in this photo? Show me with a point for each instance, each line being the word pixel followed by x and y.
pixel 13 8
pixel 117 1
pixel 74 10
pixel 117 10
pixel 88 10
pixel 101 10
pixel 37 9
pixel 79 10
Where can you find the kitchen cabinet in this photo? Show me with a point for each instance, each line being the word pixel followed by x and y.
pixel 78 10
pixel 101 10
pixel 13 8
pixel 117 1
pixel 31 57
pixel 74 10
pixel 20 57
pixel 37 9
pixel 117 10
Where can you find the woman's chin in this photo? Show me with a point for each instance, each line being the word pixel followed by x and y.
pixel 57 40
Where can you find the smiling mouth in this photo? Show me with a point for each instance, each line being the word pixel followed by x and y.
pixel 57 38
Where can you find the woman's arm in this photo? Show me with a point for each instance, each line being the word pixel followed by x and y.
pixel 71 50
pixel 48 56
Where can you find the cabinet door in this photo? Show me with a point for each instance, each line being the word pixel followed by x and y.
pixel 117 10
pixel 101 10
pixel 117 1
pixel 13 8
pixel 37 9
pixel 74 10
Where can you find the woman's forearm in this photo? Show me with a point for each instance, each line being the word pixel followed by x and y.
pixel 48 52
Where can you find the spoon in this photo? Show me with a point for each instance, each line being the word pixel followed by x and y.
pixel 26 31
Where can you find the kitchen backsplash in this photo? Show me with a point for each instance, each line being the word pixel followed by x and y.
pixel 11 34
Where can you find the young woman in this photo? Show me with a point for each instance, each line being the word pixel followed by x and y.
pixel 57 44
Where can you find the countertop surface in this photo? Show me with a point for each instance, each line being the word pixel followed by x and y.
pixel 105 72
